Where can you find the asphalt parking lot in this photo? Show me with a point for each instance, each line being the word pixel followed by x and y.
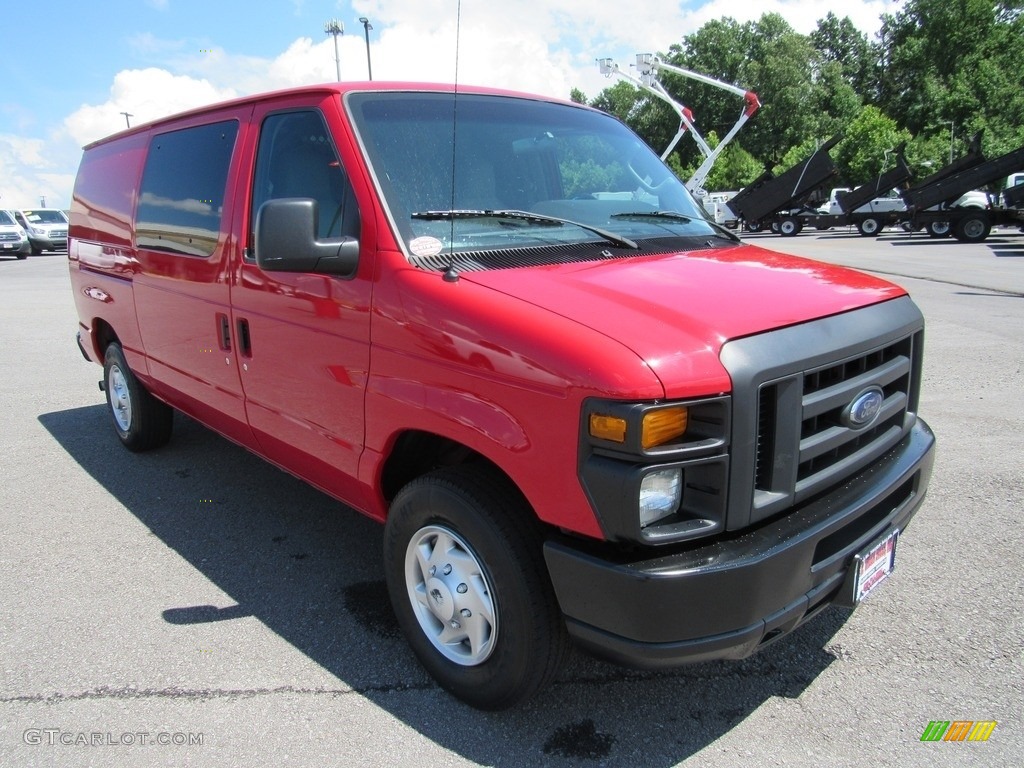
pixel 195 606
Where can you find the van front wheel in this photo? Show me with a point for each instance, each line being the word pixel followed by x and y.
pixel 141 421
pixel 466 577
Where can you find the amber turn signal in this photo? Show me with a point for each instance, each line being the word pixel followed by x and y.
pixel 611 428
pixel 663 426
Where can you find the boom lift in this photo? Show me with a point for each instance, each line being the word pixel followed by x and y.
pixel 649 65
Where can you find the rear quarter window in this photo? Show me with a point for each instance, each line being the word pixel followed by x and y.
pixel 181 197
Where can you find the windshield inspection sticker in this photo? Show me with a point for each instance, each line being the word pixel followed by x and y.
pixel 426 246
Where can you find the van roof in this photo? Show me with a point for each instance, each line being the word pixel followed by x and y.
pixel 340 88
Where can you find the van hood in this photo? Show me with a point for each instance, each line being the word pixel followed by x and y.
pixel 675 311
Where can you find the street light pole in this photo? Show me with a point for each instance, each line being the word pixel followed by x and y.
pixel 367 26
pixel 335 27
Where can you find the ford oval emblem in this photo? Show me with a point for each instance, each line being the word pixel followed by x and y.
pixel 864 408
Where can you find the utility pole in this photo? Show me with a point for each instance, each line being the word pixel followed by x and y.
pixel 335 28
pixel 367 26
pixel 126 116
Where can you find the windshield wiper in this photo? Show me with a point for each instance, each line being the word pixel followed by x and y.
pixel 653 215
pixel 534 218
pixel 676 216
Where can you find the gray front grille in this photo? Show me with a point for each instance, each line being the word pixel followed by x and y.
pixel 9 237
pixel 827 450
pixel 791 387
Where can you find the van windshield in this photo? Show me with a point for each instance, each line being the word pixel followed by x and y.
pixel 477 172
pixel 45 216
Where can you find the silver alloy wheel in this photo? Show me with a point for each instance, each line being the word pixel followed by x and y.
pixel 120 398
pixel 450 596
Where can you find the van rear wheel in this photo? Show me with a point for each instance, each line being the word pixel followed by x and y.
pixel 141 421
pixel 467 581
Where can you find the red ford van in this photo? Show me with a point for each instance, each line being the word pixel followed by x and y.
pixel 499 325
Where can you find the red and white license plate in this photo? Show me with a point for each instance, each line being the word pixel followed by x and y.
pixel 873 566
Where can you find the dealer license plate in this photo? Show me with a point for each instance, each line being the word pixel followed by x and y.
pixel 873 566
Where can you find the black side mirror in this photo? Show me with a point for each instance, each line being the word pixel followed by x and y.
pixel 286 240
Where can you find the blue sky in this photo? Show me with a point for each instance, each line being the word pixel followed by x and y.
pixel 78 65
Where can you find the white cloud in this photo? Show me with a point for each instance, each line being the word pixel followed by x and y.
pixel 29 174
pixel 146 94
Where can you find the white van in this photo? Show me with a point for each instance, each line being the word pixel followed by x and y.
pixel 13 239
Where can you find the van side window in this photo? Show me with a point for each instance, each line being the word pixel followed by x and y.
pixel 296 158
pixel 181 198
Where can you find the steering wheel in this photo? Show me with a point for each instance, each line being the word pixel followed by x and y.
pixel 641 179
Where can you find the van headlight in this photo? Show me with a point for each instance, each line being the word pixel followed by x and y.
pixel 660 493
pixel 656 472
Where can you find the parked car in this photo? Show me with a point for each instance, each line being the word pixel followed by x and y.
pixel 47 228
pixel 13 238
pixel 580 408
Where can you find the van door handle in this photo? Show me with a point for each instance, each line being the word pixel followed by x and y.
pixel 244 342
pixel 224 332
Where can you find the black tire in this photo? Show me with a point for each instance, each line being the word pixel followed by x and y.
pixel 36 251
pixel 937 228
pixel 790 226
pixel 21 256
pixel 869 227
pixel 141 421
pixel 973 228
pixel 753 226
pixel 498 586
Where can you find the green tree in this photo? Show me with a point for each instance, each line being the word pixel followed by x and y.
pixel 839 42
pixel 782 65
pixel 835 101
pixel 734 169
pixel 955 63
pixel 868 146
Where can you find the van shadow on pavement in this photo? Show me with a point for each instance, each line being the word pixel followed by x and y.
pixel 310 569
